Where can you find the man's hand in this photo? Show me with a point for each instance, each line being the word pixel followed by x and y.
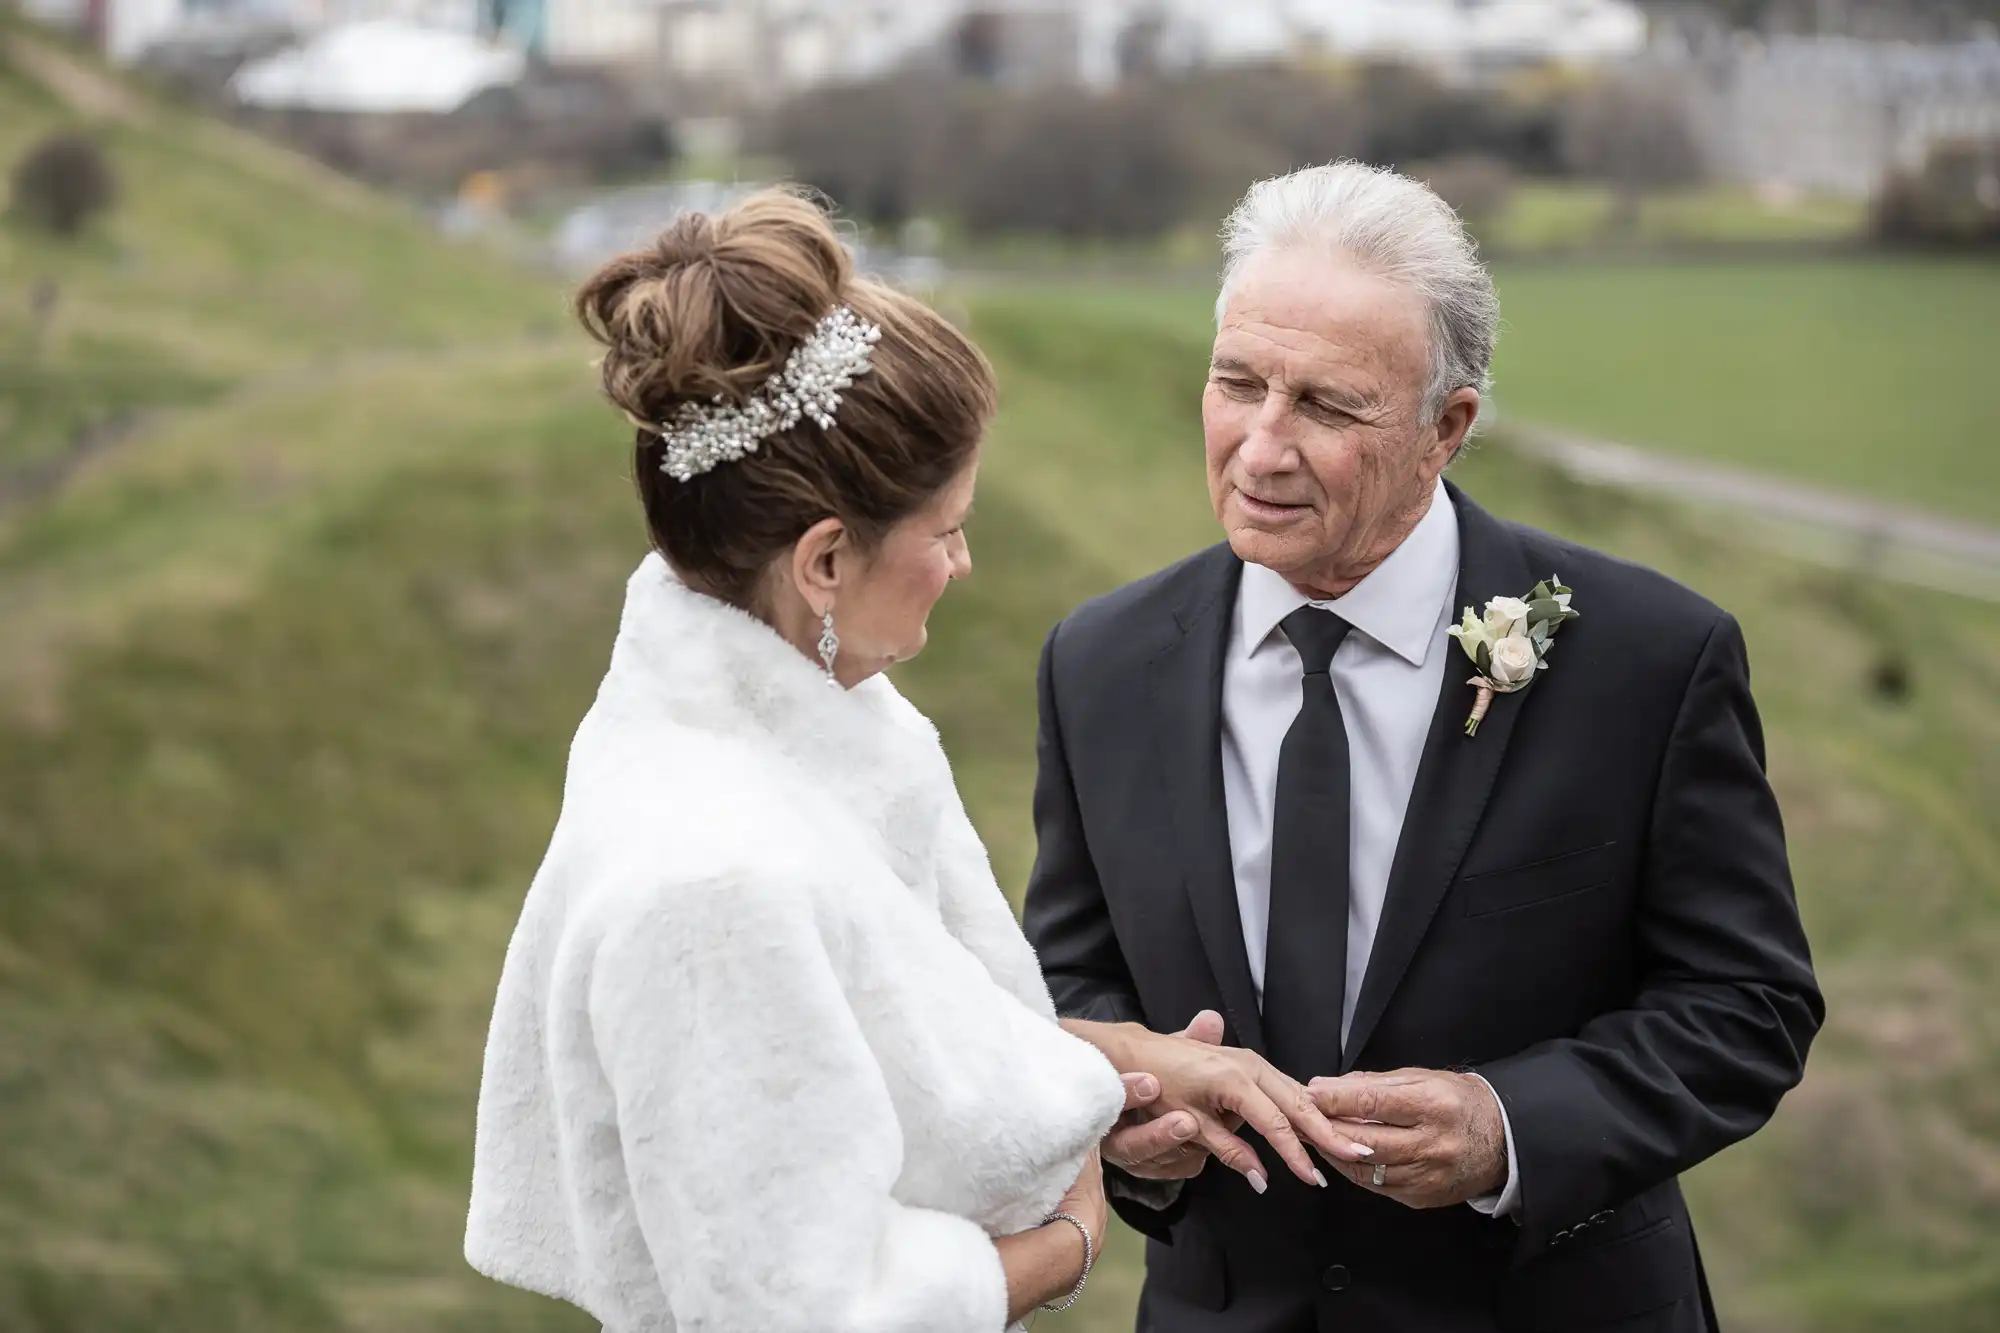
pixel 1222 1089
pixel 1156 1145
pixel 1438 1137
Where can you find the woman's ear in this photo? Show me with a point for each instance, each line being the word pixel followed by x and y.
pixel 817 560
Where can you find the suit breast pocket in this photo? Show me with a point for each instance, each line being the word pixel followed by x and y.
pixel 1546 880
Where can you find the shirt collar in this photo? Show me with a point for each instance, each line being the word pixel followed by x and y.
pixel 1397 605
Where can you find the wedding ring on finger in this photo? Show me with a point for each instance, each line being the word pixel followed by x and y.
pixel 1378 1176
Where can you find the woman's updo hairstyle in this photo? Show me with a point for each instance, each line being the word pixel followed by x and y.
pixel 715 306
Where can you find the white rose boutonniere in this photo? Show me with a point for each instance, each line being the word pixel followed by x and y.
pixel 1509 643
pixel 1506 617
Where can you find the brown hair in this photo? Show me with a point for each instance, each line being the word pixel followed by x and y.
pixel 715 306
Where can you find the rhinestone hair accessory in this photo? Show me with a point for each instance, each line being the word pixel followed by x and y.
pixel 702 436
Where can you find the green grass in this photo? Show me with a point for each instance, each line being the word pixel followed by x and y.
pixel 1860 374
pixel 288 676
pixel 227 261
pixel 247 944
pixel 1574 215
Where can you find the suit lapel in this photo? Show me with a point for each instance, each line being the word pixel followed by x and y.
pixel 1454 778
pixel 1185 678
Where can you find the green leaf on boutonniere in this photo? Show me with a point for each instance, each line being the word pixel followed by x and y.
pixel 1547 609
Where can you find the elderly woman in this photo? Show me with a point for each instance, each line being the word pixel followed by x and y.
pixel 770 1052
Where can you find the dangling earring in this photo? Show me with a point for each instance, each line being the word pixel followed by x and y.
pixel 829 645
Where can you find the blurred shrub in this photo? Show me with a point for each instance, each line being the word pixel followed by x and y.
pixel 62 183
pixel 1477 186
pixel 1076 165
pixel 1160 150
pixel 1954 200
pixel 882 149
pixel 1295 117
pixel 1412 117
pixel 1633 132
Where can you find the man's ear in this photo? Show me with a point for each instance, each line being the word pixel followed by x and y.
pixel 817 561
pixel 1454 424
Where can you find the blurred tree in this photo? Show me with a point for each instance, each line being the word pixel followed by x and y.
pixel 1075 164
pixel 62 183
pixel 1142 45
pixel 1302 117
pixel 1932 20
pixel 1161 149
pixel 880 149
pixel 1412 116
pixel 1631 131
pixel 1953 201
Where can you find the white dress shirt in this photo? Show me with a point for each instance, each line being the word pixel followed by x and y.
pixel 1387 676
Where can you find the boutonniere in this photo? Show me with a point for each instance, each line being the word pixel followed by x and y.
pixel 1510 642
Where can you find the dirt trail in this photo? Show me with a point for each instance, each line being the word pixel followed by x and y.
pixel 1889 540
pixel 82 88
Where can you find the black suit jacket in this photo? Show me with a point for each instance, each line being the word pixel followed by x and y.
pixel 1590 906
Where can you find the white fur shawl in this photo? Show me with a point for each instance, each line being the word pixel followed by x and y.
pixel 769 1051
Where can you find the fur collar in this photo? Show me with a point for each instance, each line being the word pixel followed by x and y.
pixel 695 662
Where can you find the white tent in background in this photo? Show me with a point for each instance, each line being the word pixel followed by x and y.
pixel 379 66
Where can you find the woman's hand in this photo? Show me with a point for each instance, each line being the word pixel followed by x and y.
pixel 1222 1088
pixel 1046 1264
pixel 1085 1200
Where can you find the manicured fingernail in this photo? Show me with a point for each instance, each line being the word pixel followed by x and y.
pixel 1147 1087
pixel 1184 1127
pixel 1258 1183
pixel 1363 1150
pixel 1319 1178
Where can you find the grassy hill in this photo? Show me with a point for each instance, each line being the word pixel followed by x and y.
pixel 288 668
pixel 1860 373
pixel 282 691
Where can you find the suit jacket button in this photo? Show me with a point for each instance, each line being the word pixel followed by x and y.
pixel 1335 1278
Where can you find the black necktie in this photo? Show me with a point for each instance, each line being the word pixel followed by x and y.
pixel 1305 952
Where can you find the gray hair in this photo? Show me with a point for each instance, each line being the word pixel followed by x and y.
pixel 1394 227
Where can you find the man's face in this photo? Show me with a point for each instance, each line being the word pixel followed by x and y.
pixel 1319 456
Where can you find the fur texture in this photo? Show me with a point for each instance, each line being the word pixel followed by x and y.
pixel 769 1052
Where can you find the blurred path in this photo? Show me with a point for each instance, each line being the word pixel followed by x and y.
pixel 97 95
pixel 41 480
pixel 1852 531
pixel 81 88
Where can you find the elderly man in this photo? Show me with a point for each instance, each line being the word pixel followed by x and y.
pixel 1560 935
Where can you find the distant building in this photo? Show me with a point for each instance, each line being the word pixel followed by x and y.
pixel 1461 38
pixel 1017 47
pixel 768 49
pixel 772 48
pixel 380 67
pixel 599 32
pixel 1836 114
pixel 122 29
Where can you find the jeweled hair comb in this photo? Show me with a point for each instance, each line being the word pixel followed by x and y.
pixel 702 436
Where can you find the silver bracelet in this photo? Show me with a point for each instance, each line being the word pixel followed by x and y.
pixel 1089 1259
